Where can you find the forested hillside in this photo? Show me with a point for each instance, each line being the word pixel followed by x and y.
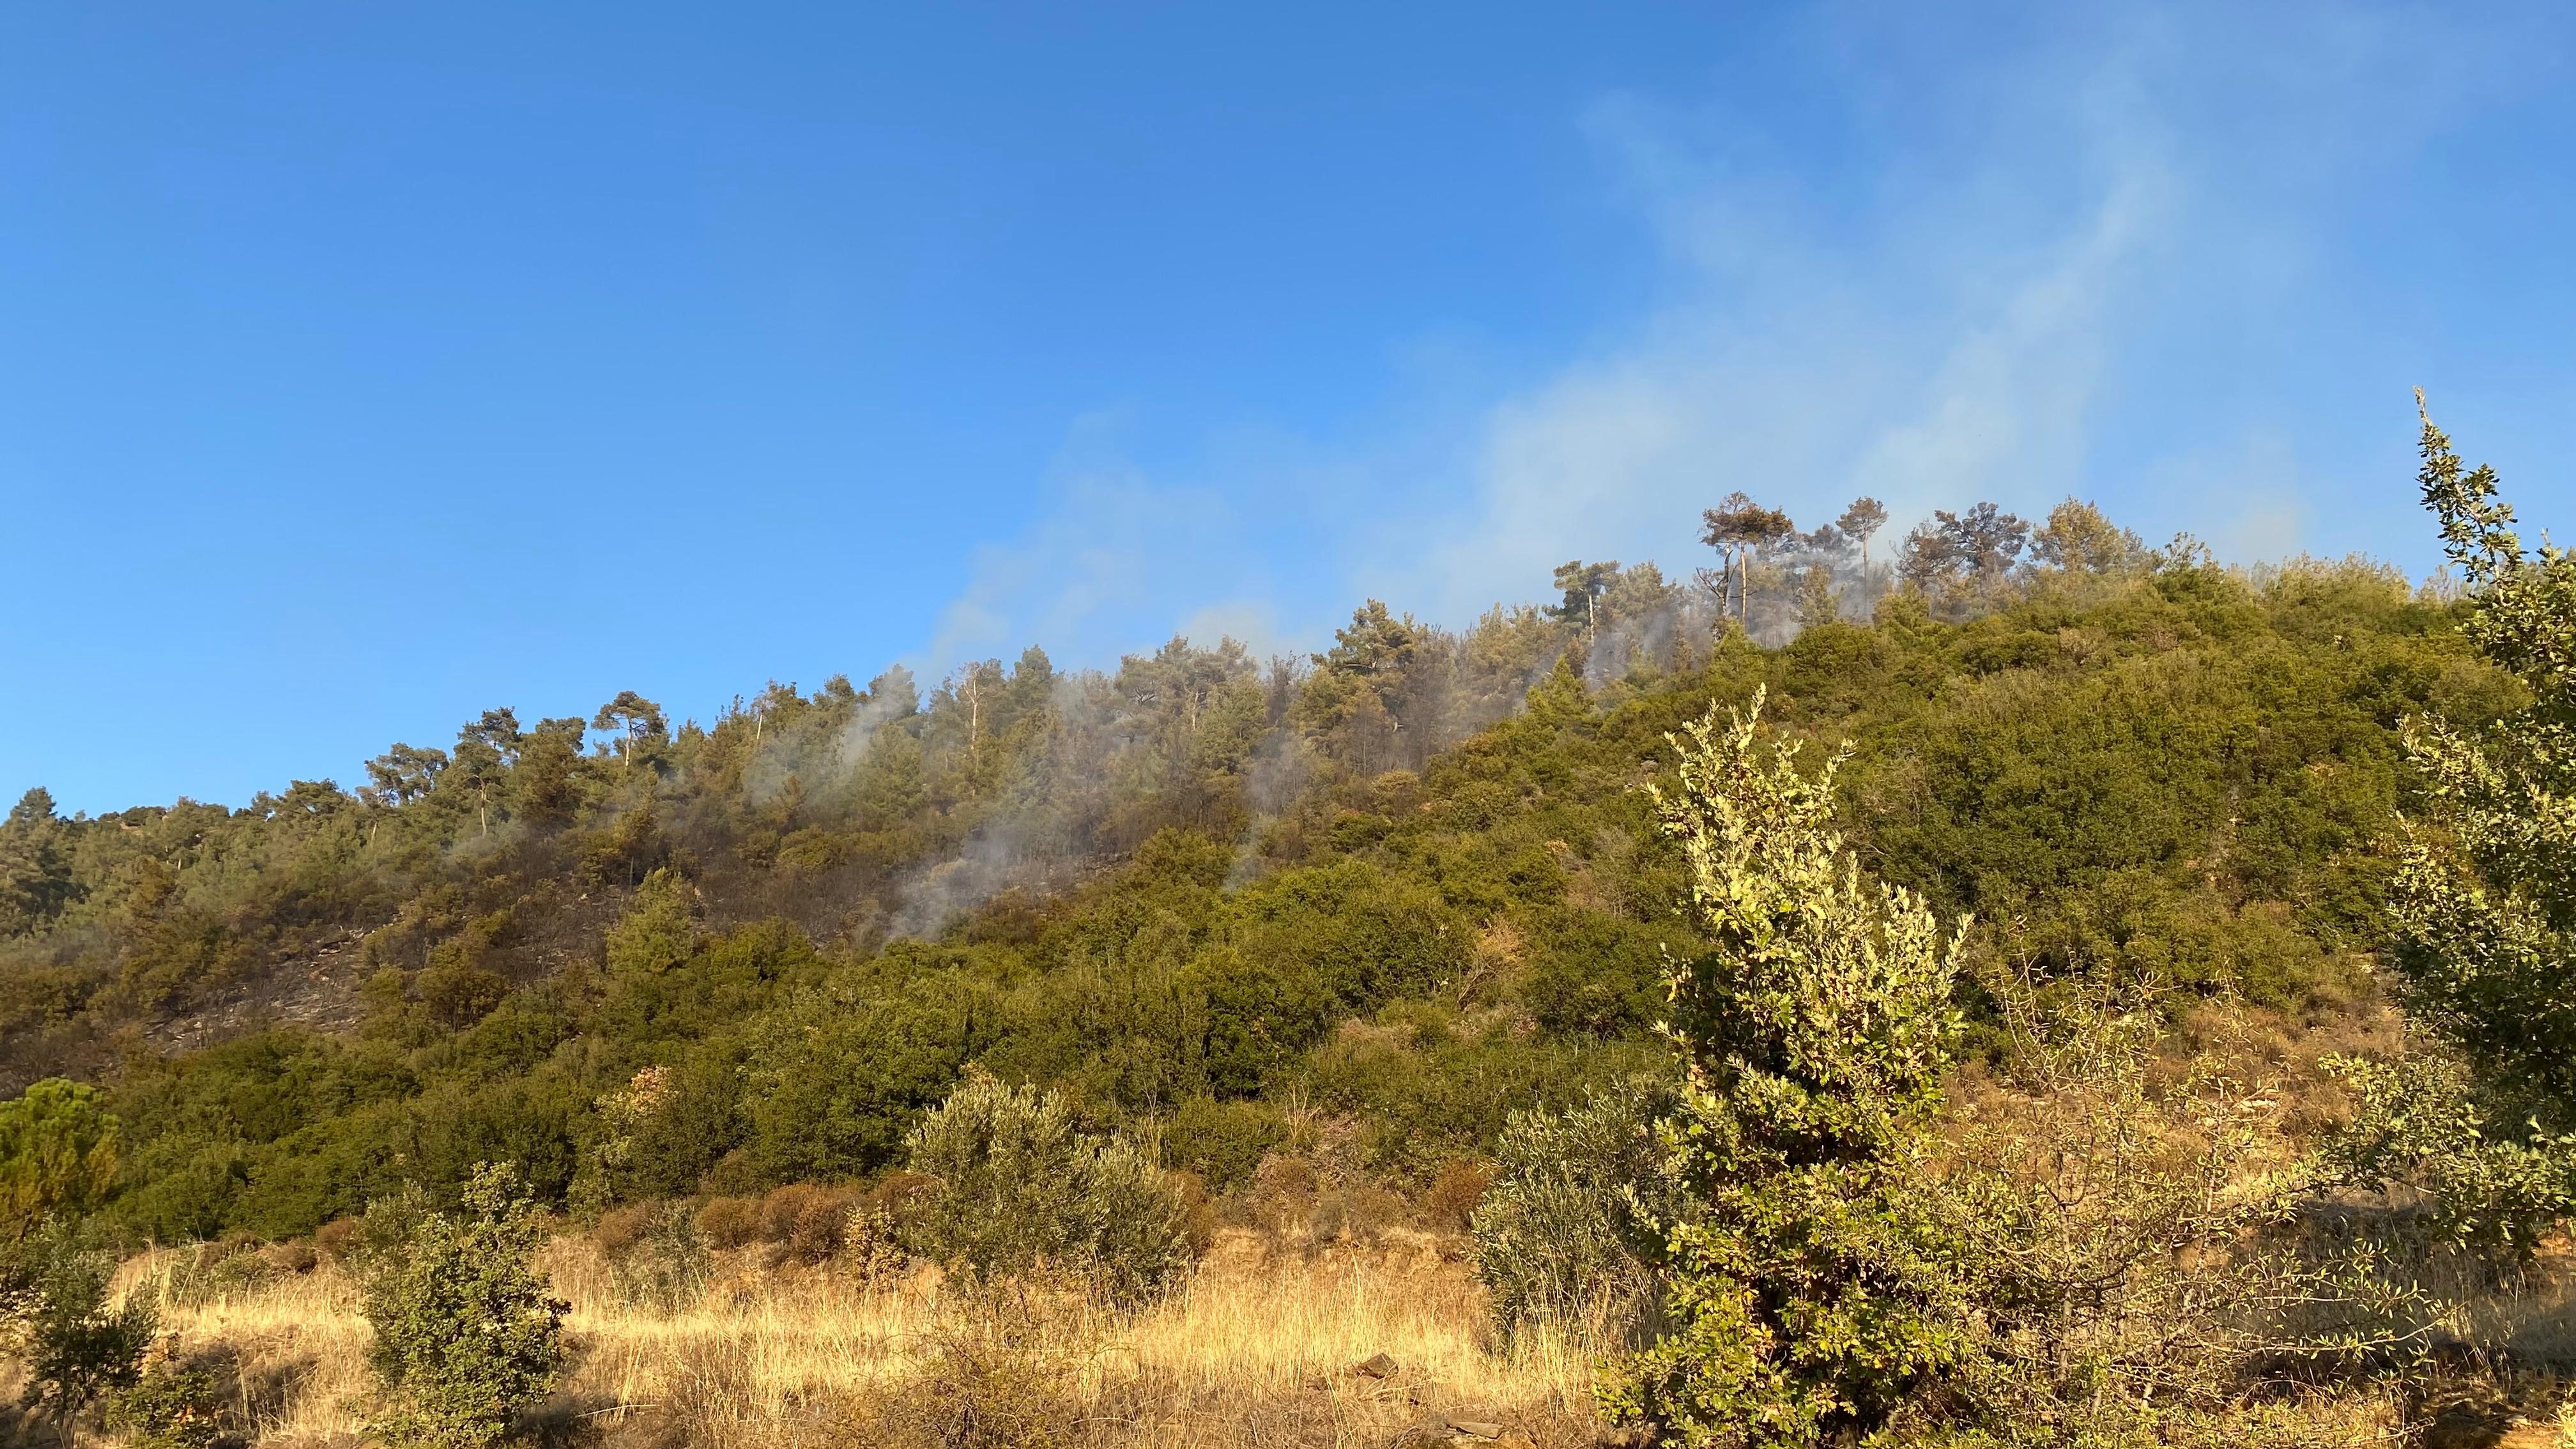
pixel 1409 884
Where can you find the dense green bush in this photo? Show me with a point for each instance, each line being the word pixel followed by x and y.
pixel 78 1344
pixel 58 1154
pixel 1020 1184
pixel 1570 1231
pixel 172 1405
pixel 1223 1142
pixel 1594 974
pixel 1813 1288
pixel 467 1336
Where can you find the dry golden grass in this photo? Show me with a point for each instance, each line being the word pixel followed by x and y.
pixel 1257 1346
pixel 297 1342
pixel 1258 1343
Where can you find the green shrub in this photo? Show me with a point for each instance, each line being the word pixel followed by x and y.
pixel 2483 913
pixel 2420 1132
pixel 1815 1291
pixel 1566 1231
pixel 1019 1185
pixel 467 1337
pixel 1221 1141
pixel 58 1153
pixel 458 996
pixel 1591 974
pixel 659 930
pixel 77 1346
pixel 174 1405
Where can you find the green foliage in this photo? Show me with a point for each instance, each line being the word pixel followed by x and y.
pixel 1567 1233
pixel 1813 1289
pixel 2485 900
pixel 77 1345
pixel 842 1075
pixel 36 875
pixel 1020 1184
pixel 658 931
pixel 1223 1142
pixel 1428 1084
pixel 172 1405
pixel 58 1154
pixel 467 1337
pixel 2422 1132
pixel 1592 974
pixel 2482 916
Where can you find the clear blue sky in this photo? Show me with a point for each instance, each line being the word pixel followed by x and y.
pixel 364 366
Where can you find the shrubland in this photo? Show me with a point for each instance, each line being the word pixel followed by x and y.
pixel 2038 989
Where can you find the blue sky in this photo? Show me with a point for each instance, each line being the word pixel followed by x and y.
pixel 362 367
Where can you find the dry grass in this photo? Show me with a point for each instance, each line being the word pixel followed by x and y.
pixel 295 1342
pixel 1257 1346
pixel 1258 1343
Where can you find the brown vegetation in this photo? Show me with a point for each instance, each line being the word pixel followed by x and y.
pixel 1257 1344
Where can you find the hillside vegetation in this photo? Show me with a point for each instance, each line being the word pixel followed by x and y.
pixel 1366 928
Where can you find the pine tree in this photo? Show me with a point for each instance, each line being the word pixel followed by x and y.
pixel 36 879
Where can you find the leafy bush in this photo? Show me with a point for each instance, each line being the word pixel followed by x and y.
pixel 78 1347
pixel 174 1405
pixel 2419 1133
pixel 1567 1232
pixel 1591 974
pixel 1815 1291
pixel 658 931
pixel 1223 1142
pixel 467 1337
pixel 2484 906
pixel 58 1153
pixel 2474 1141
pixel 1019 1184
